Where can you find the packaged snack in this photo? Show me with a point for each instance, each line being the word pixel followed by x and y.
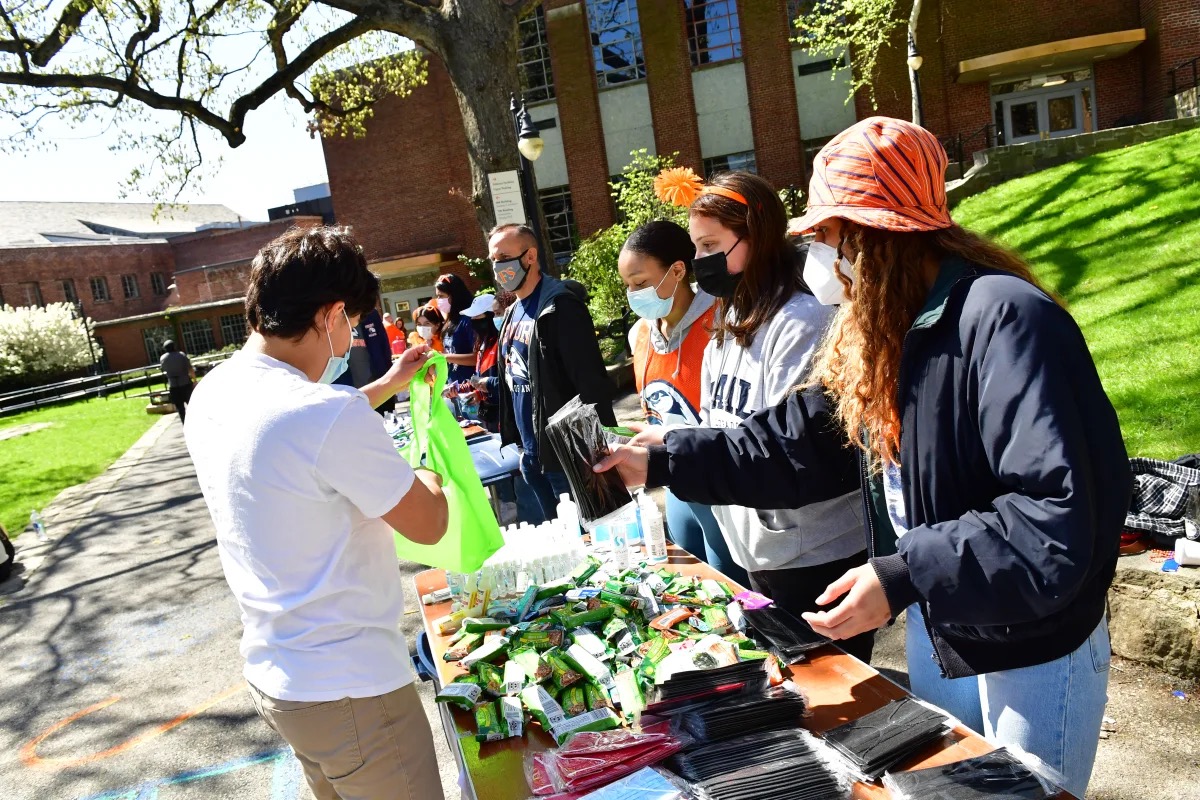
pixel 463 647
pixel 594 616
pixel 460 693
pixel 602 719
pixel 596 697
pixel 543 707
pixel 491 678
pixel 491 649
pixel 629 694
pixel 553 589
pixel 670 619
pixel 716 619
pixel 573 700
pixel 484 624
pixel 590 667
pixel 535 667
pixel 540 640
pixel 514 678
pixel 562 674
pixel 449 623
pixel 589 642
pixel 526 603
pixel 586 569
pixel 487 723
pixel 512 716
pixel 630 603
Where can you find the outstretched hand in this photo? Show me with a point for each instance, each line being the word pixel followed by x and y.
pixel 864 608
pixel 631 462
pixel 402 370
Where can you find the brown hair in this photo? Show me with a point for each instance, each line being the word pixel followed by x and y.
pixel 859 361
pixel 771 275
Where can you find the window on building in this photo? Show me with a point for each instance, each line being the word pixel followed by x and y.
pixel 158 284
pixel 744 162
pixel 100 289
pixel 233 329
pixel 31 294
pixel 154 338
pixel 533 58
pixel 560 222
pixel 713 31
pixel 616 41
pixel 198 337
pixel 68 290
pixel 129 285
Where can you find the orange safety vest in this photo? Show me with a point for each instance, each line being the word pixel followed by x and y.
pixel 669 383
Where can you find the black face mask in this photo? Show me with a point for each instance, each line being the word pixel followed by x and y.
pixel 712 273
pixel 483 327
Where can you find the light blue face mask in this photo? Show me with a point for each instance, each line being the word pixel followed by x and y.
pixel 498 321
pixel 336 366
pixel 647 304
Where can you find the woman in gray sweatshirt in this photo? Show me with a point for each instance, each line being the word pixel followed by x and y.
pixel 768 326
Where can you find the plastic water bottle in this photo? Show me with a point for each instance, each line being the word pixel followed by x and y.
pixel 39 527
pixel 653 530
pixel 568 515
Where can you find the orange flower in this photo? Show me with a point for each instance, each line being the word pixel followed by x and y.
pixel 678 186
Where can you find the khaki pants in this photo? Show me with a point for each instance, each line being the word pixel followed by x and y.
pixel 361 748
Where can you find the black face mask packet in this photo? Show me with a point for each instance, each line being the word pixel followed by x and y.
pixel 740 714
pixel 744 676
pixel 885 737
pixel 580 442
pixel 788 636
pixel 998 775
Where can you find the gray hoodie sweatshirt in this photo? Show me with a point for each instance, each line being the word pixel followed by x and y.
pixel 737 381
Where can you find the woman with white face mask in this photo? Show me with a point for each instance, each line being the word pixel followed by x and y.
pixel 428 328
pixel 458 338
pixel 766 331
pixel 674 326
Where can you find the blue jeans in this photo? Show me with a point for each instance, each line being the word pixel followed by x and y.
pixel 693 527
pixel 545 486
pixel 1051 710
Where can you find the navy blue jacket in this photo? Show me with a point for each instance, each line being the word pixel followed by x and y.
pixel 1015 476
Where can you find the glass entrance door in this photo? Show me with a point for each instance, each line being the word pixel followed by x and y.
pixel 1028 110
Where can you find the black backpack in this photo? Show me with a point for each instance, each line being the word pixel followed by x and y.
pixel 9 555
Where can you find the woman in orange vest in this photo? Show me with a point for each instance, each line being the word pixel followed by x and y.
pixel 675 325
pixel 429 322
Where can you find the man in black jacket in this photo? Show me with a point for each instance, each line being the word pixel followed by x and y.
pixel 548 354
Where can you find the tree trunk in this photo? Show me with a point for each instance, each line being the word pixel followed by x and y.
pixel 477 42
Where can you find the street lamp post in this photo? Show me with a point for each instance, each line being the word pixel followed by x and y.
pixel 530 145
pixel 914 78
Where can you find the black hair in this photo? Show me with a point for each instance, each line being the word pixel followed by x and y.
pixel 460 295
pixel 169 346
pixel 664 241
pixel 300 272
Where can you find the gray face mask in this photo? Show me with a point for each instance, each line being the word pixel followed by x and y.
pixel 511 273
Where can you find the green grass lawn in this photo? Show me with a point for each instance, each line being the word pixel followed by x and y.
pixel 1118 236
pixel 83 439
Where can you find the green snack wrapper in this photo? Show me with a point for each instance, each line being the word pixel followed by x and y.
pixel 591 667
pixel 623 600
pixel 629 694
pixel 491 678
pixel 753 655
pixel 589 642
pixel 715 590
pixel 512 716
pixel 597 615
pixel 463 647
pixel 543 707
pixel 461 694
pixel 514 679
pixel 536 669
pixel 602 719
pixel 526 603
pixel 616 587
pixel 741 640
pixel 562 674
pixel 484 624
pixel 540 640
pixel 596 697
pixel 492 648
pixel 614 626
pixel 552 589
pixel 487 723
pixel 573 700
pixel 586 569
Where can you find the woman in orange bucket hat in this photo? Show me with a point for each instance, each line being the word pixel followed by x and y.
pixel 995 480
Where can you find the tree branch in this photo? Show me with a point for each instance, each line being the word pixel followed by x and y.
pixel 67 24
pixel 404 17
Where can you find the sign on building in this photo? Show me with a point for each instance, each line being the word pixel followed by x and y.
pixel 506 197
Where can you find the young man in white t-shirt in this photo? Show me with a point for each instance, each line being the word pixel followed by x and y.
pixel 305 488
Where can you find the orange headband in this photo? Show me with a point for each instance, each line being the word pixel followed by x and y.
pixel 723 192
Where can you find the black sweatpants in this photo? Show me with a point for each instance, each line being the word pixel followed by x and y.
pixel 796 591
pixel 180 395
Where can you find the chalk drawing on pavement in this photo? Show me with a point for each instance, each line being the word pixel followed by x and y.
pixel 287 778
pixel 30 757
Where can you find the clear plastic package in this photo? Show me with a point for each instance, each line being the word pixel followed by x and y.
pixel 580 442
pixel 999 773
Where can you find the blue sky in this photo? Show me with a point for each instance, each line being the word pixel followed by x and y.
pixel 277 157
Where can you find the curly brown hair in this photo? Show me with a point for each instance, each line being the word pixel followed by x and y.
pixel 859 361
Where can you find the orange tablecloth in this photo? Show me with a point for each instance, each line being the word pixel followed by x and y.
pixel 839 688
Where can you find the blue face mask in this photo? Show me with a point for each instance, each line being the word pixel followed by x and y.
pixel 336 366
pixel 498 321
pixel 647 304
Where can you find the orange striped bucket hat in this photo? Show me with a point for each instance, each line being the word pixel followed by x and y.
pixel 882 173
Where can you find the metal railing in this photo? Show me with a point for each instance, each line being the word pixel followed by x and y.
pixel 1185 76
pixel 961 146
pixel 103 385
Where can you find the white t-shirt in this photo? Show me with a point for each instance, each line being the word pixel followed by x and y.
pixel 296 475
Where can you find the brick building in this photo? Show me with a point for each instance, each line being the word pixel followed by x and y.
pixel 720 82
pixel 141 280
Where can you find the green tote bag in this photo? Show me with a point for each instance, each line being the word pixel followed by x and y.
pixel 437 443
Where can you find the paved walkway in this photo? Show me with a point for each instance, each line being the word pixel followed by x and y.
pixel 122 676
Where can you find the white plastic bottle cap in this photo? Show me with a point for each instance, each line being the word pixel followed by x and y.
pixel 564 497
